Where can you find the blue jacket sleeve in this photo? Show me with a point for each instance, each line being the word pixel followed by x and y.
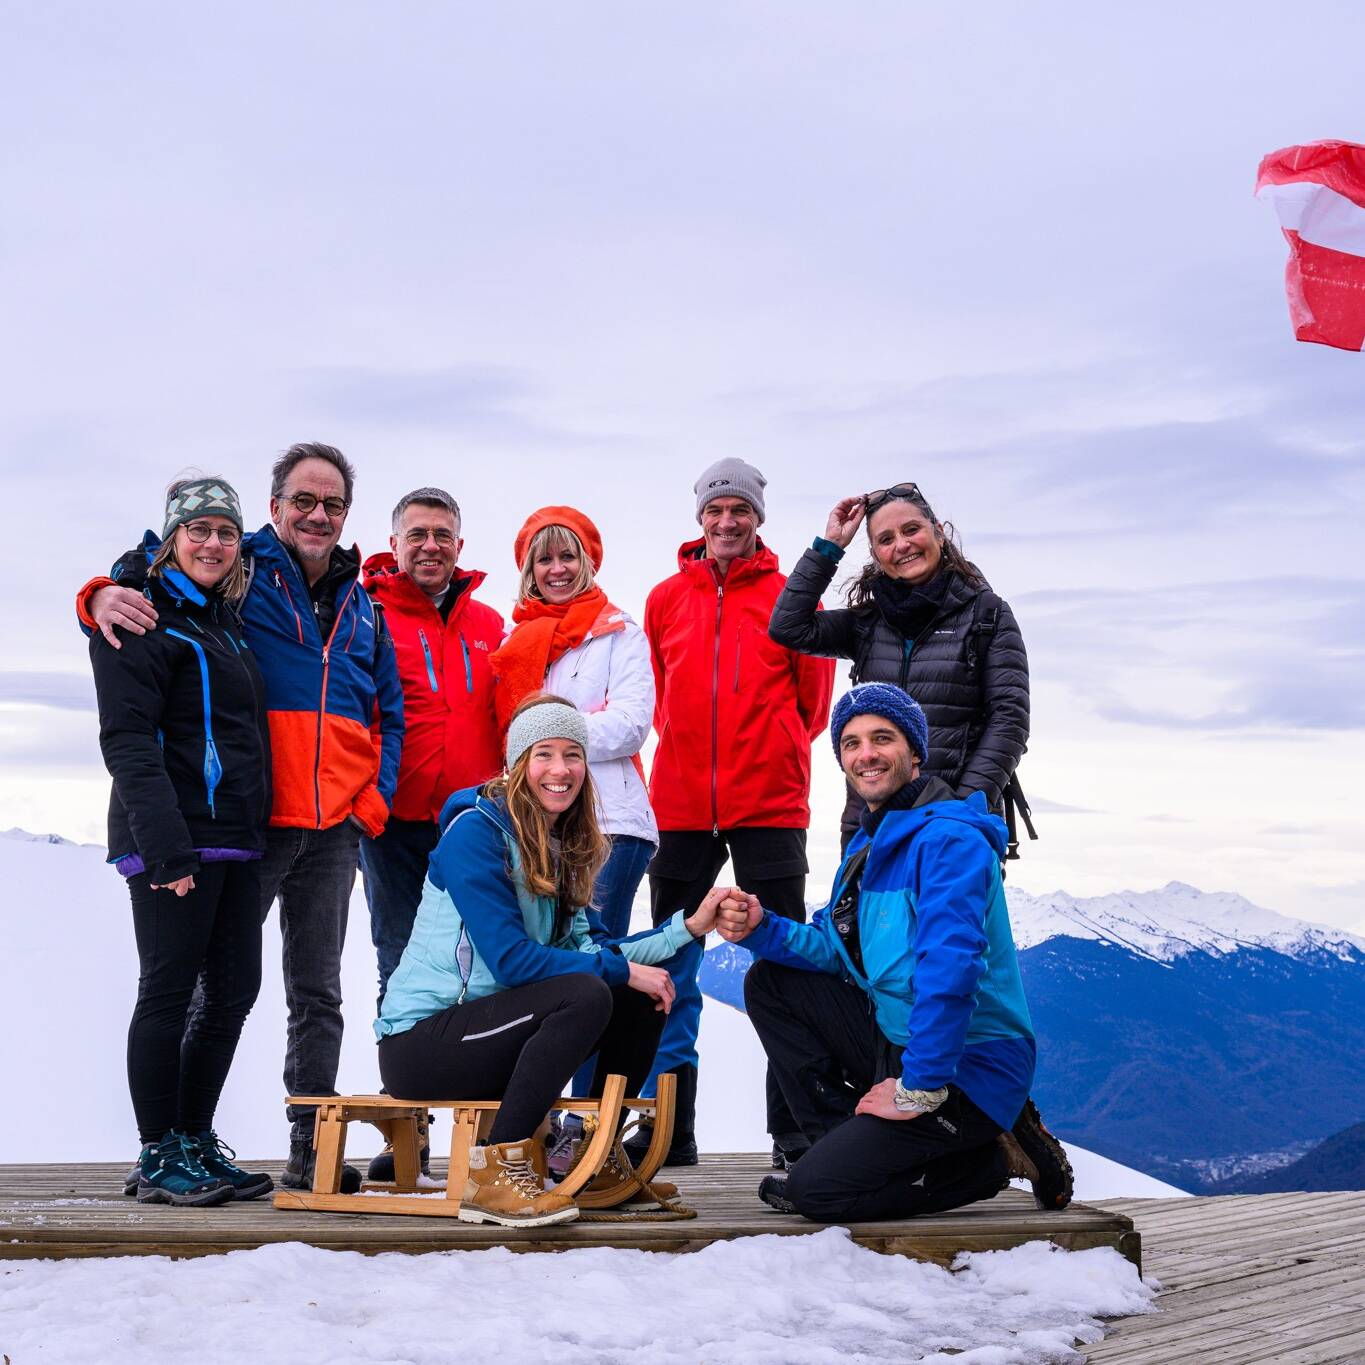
pixel 470 867
pixel 954 870
pixel 806 947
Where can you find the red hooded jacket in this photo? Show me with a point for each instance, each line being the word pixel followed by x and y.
pixel 735 712
pixel 452 739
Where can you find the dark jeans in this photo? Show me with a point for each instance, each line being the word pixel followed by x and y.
pixel 772 864
pixel 395 866
pixel 522 1045
pixel 613 894
pixel 312 872
pixel 177 1064
pixel 826 1050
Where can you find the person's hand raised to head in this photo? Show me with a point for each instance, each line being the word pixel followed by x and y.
pixel 739 916
pixel 844 519
pixel 113 606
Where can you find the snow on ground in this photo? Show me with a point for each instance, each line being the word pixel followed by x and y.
pixel 817 1300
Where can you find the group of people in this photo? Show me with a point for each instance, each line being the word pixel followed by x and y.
pixel 275 714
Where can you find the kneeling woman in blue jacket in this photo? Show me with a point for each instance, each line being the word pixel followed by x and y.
pixel 507 983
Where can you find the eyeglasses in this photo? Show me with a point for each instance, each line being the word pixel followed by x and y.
pixel 198 532
pixel 417 536
pixel 874 499
pixel 305 502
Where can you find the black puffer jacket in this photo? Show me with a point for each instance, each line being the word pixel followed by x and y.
pixel 184 733
pixel 971 680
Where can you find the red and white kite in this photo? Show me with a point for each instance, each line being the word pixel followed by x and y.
pixel 1318 191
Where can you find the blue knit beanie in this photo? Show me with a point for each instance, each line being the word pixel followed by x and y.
pixel 891 703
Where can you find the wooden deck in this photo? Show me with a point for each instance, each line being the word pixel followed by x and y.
pixel 77 1210
pixel 1248 1280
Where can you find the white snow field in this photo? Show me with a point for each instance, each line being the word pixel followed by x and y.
pixel 68 978
pixel 817 1300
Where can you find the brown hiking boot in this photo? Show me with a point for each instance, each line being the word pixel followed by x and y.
pixel 1033 1154
pixel 503 1187
pixel 617 1168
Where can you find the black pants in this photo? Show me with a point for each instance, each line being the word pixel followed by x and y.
pixel 176 1068
pixel 523 1046
pixel 824 1046
pixel 771 863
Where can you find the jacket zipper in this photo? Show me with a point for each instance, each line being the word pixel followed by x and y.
pixel 213 765
pixel 426 654
pixel 289 597
pixel 322 702
pixel 715 716
pixel 468 667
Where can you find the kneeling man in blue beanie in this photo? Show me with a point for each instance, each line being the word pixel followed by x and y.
pixel 895 1021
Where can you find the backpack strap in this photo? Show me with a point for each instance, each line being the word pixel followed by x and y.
pixel 985 618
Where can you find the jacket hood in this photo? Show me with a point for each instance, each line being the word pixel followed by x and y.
pixel 901 826
pixel 384 579
pixel 692 560
pixel 472 798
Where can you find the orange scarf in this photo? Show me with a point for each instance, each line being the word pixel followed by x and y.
pixel 543 633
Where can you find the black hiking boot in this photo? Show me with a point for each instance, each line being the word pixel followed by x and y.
pixel 216 1157
pixel 683 1151
pixel 298 1172
pixel 381 1169
pixel 1033 1154
pixel 772 1190
pixel 787 1151
pixel 130 1180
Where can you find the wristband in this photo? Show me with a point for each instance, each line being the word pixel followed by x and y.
pixel 919 1101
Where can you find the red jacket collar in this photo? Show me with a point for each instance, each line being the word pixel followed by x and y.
pixel 386 581
pixel 693 562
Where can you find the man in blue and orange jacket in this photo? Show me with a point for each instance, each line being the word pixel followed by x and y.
pixel 895 1022
pixel 330 676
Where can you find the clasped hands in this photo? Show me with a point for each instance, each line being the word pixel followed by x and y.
pixel 733 913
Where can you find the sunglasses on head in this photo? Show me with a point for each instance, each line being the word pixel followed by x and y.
pixel 874 499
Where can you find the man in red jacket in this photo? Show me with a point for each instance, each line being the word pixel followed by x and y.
pixel 735 715
pixel 442 638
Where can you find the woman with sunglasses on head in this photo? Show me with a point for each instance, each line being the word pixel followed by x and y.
pixel 505 987
pixel 922 616
pixel 184 735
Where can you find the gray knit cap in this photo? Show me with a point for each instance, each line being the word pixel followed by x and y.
pixel 546 720
pixel 193 498
pixel 731 478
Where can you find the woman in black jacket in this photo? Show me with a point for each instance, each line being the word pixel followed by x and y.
pixel 921 616
pixel 184 735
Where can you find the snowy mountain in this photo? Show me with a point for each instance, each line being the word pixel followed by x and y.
pixel 1168 1022
pixel 1176 920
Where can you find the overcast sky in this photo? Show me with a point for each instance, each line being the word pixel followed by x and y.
pixel 553 253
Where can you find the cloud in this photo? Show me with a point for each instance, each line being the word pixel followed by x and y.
pixel 489 401
pixel 65 691
pixel 1040 805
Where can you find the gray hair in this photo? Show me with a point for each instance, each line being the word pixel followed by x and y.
pixel 311 450
pixel 426 497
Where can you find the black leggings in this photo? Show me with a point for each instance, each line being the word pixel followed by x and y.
pixel 523 1046
pixel 175 1072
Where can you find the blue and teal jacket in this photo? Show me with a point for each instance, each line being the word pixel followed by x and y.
pixel 940 969
pixel 184 735
pixel 479 929
pixel 334 699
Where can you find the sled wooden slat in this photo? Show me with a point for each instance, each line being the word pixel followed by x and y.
pixel 397 1119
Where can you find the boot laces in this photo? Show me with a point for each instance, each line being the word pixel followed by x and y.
pixel 521 1175
pixel 186 1154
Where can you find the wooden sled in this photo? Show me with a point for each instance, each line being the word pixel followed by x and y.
pixel 397 1121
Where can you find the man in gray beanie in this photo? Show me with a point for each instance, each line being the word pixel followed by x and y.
pixel 736 714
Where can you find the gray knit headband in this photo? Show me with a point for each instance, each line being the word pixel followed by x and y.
pixel 202 498
pixel 549 720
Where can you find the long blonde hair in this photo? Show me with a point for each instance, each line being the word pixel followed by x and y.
pixel 550 539
pixel 583 848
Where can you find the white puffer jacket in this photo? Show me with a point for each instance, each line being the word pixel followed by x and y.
pixel 610 679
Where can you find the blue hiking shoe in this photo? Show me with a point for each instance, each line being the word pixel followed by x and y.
pixel 216 1158
pixel 171 1173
